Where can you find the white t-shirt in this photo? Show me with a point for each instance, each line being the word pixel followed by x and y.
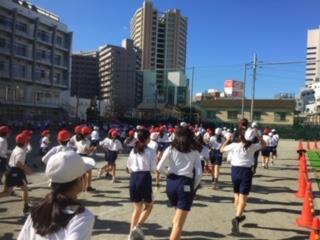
pixel 95 135
pixel 3 147
pixel 82 146
pixel 114 145
pixel 204 154
pixel 18 155
pixel 214 144
pixel 182 164
pixel 147 161
pixel 45 142
pixel 54 150
pixel 267 140
pixel 240 156
pixel 79 227
pixel 153 145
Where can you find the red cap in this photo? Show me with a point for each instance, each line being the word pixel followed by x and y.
pixel 21 138
pixel 114 134
pixel 86 131
pixel 64 136
pixel 45 133
pixel 111 130
pixel 172 130
pixel 4 129
pixel 161 129
pixel 27 133
pixel 131 133
pixel 78 129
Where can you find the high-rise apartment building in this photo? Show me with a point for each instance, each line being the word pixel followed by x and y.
pixel 313 57
pixel 85 81
pixel 120 82
pixel 35 52
pixel 161 39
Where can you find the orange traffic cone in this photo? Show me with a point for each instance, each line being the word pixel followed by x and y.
pixel 303 179
pixel 315 145
pixel 308 145
pixel 314 235
pixel 305 220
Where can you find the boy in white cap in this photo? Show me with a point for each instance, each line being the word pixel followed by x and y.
pixel 70 219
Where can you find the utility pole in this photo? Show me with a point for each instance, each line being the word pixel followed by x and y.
pixel 244 89
pixel 254 78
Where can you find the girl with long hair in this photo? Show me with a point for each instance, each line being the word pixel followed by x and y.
pixel 182 165
pixel 60 215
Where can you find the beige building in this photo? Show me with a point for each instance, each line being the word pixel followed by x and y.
pixel 266 111
pixel 121 87
pixel 162 42
pixel 35 53
pixel 313 55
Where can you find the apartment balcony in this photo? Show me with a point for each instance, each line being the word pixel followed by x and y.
pixel 4 71
pixel 32 102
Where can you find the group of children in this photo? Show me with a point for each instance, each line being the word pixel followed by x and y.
pixel 181 153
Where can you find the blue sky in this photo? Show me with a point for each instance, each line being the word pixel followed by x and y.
pixel 222 35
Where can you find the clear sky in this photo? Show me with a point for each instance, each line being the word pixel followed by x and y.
pixel 222 35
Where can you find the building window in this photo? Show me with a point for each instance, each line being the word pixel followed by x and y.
pixel 279 116
pixel 43 35
pixel 57 59
pixel 2 43
pixel 233 115
pixel 5 22
pixel 19 70
pixel 22 27
pixel 19 93
pixel 212 114
pixel 20 49
pixel 57 78
pixel 59 40
pixel 256 116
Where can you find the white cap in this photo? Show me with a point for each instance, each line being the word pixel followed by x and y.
pixel 224 128
pixel 183 124
pixel 154 136
pixel 270 134
pixel 254 124
pixel 95 128
pixel 235 129
pixel 250 134
pixel 64 167
pixel 218 131
pixel 228 130
pixel 139 127
pixel 273 130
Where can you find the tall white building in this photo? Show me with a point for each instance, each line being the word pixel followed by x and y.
pixel 162 42
pixel 313 57
pixel 35 53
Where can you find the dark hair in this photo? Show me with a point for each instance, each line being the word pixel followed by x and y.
pixel 64 143
pixel 243 124
pixel 184 140
pixel 219 138
pixel 21 145
pixel 141 144
pixel 3 135
pixel 48 217
pixel 79 137
pixel 199 140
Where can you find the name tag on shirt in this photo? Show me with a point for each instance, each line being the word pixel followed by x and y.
pixel 187 188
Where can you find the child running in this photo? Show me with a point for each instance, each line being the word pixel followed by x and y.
pixel 16 176
pixel 4 152
pixel 181 164
pixel 141 162
pixel 113 146
pixel 241 170
pixel 63 139
pixel 215 144
pixel 84 149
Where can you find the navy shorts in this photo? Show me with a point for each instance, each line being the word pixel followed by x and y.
pixel 15 178
pixel 180 191
pixel 3 164
pixel 215 157
pixel 141 187
pixel 241 179
pixel 112 157
pixel 265 152
pixel 274 150
pixel 162 146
